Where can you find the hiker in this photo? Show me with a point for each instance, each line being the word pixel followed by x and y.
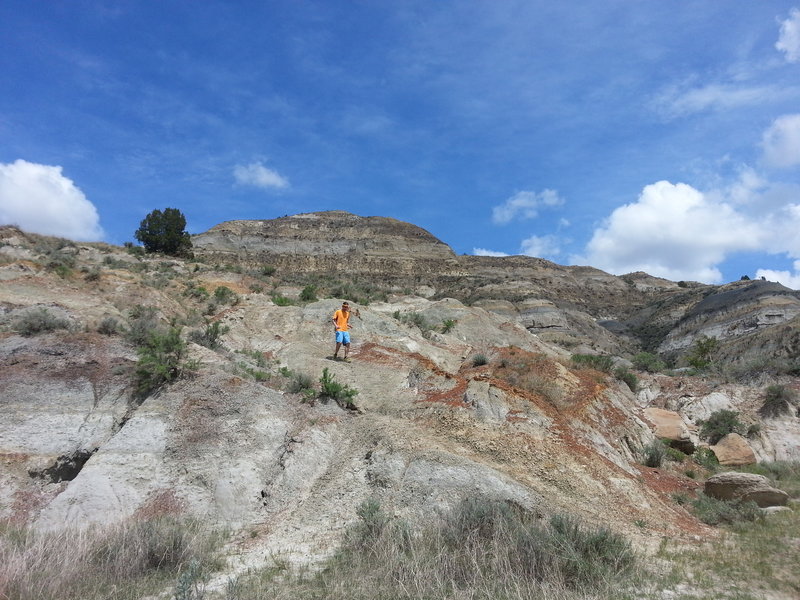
pixel 341 326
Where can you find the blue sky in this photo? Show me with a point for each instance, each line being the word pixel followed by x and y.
pixel 626 135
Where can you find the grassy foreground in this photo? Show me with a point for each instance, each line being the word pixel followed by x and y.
pixel 128 561
pixel 481 550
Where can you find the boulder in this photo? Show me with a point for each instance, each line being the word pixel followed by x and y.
pixel 733 450
pixel 669 425
pixel 745 486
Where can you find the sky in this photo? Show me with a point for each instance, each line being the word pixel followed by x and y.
pixel 628 135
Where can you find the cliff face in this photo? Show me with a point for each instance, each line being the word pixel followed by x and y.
pixel 330 242
pixel 573 305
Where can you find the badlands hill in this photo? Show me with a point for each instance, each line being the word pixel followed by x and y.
pixel 463 369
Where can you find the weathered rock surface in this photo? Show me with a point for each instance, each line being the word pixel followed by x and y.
pixel 564 304
pixel 669 425
pixel 745 486
pixel 235 445
pixel 733 450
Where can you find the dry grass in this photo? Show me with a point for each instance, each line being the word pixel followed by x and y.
pixel 483 550
pixel 125 561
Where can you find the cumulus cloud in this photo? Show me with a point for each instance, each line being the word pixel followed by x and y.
pixel 541 246
pixel 789 38
pixel 485 252
pixel 40 199
pixel 672 231
pixel 790 280
pixel 257 175
pixel 781 142
pixel 524 205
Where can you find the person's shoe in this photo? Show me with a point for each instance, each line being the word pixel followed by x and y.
pixel 347 359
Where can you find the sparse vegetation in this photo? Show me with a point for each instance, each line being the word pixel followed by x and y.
pixel 599 362
pixel 225 295
pixel 161 361
pixel 39 320
pixel 128 561
pixel 330 388
pixel 628 377
pixel 414 319
pixel 648 362
pixel 142 322
pixel 702 351
pixel 706 458
pixel 480 359
pixel 654 453
pixel 719 424
pixel 448 324
pixel 309 294
pixel 778 400
pixel 210 336
pixel 715 512
pixel 196 291
pixel 483 549
pixel 279 300
pixel 109 326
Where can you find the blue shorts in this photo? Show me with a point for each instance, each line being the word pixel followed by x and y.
pixel 343 337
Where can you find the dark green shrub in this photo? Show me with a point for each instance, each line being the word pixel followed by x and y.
pixel 599 362
pixel 161 361
pixel 196 291
pixel 210 336
pixel 705 457
pixel 628 377
pixel 268 270
pixel 646 361
pixel 165 232
pixel 309 294
pixel 654 453
pixel 675 455
pixel 702 351
pixel 448 324
pixel 225 295
pixel 478 360
pixel 719 424
pixel 39 320
pixel 330 388
pixel 279 300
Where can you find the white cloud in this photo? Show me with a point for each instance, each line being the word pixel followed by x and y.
pixel 40 199
pixel 258 175
pixel 781 142
pixel 790 280
pixel 789 38
pixel 672 231
pixel 525 205
pixel 677 101
pixel 541 246
pixel 485 252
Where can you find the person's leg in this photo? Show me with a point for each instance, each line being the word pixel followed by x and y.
pixel 346 342
pixel 338 344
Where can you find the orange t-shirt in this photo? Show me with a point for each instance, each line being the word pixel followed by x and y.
pixel 341 317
